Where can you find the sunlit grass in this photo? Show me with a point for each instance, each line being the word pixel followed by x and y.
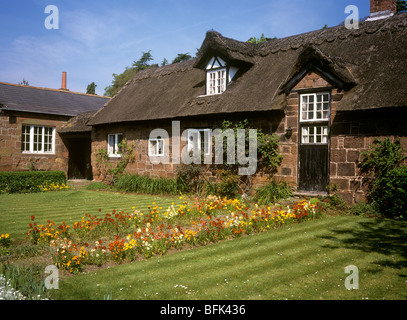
pixel 68 206
pixel 300 261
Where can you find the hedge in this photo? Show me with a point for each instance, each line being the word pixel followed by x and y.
pixel 29 181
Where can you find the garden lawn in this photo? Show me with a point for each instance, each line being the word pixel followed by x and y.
pixel 69 206
pixel 298 261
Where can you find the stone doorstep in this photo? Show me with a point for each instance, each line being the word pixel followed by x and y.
pixel 310 193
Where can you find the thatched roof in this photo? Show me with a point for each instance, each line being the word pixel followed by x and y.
pixel 78 123
pixel 21 98
pixel 367 63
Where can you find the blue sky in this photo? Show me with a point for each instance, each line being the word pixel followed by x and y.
pixel 97 38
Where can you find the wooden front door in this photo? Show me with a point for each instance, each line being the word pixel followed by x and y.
pixel 314 169
pixel 313 162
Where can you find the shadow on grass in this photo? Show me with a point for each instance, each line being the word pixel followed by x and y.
pixel 383 236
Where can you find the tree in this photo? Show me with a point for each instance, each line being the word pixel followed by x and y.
pixel 182 57
pixel 164 63
pixel 401 5
pixel 142 63
pixel 91 88
pixel 24 83
pixel 260 40
pixel 119 80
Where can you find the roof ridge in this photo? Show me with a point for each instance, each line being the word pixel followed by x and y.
pixel 395 22
pixel 56 90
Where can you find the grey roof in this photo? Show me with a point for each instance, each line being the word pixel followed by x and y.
pixel 47 101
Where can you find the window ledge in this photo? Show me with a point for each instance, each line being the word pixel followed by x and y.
pixel 38 153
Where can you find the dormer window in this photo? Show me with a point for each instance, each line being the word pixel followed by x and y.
pixel 218 75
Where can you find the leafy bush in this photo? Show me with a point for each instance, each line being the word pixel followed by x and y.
pixel 363 209
pixel 335 202
pixel 390 193
pixel 382 157
pixel 385 177
pixel 146 184
pixel 273 192
pixel 227 186
pixel 190 177
pixel 29 181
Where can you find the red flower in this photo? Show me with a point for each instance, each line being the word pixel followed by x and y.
pixel 32 218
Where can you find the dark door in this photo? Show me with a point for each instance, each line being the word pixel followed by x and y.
pixel 79 159
pixel 313 167
pixel 313 160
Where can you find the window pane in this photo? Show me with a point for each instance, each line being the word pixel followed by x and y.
pixel 111 140
pixel 160 147
pixel 37 147
pixel 25 138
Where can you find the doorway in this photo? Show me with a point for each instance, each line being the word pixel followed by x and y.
pixel 79 165
pixel 313 161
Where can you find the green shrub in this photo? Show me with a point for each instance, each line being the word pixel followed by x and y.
pixel 227 186
pixel 29 181
pixel 146 184
pixel 390 193
pixel 273 192
pixel 335 202
pixel 363 209
pixel 190 177
pixel 386 177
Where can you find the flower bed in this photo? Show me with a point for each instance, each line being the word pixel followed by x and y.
pixel 124 236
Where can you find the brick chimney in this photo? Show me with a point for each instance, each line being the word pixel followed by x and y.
pixel 381 9
pixel 63 85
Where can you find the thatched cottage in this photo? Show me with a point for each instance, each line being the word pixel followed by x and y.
pixel 327 94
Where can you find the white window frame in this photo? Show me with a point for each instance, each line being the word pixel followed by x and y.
pixel 198 134
pixel 216 81
pixel 113 149
pixel 40 144
pixel 314 134
pixel 315 108
pixel 154 147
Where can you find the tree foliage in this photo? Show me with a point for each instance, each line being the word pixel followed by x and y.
pixel 182 57
pixel 401 5
pixel 260 40
pixel 385 177
pixel 91 88
pixel 119 80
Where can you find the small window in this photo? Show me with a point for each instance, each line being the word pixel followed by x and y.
pixel 315 107
pixel 216 81
pixel 114 141
pixel 200 138
pixel 314 134
pixel 37 139
pixel 156 147
pixel 216 76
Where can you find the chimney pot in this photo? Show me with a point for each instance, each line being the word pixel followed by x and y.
pixel 63 85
